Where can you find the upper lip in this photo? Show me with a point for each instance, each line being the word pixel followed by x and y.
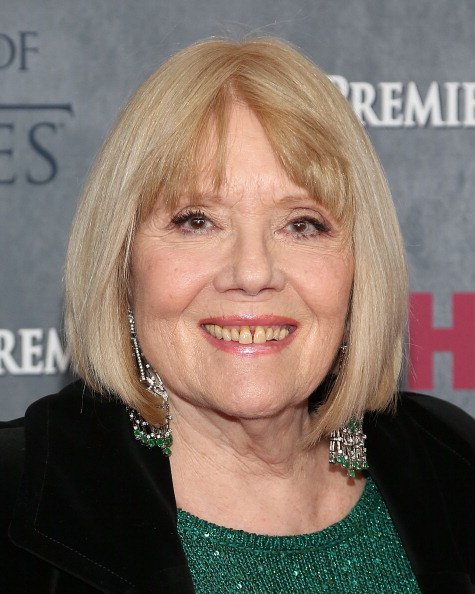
pixel 249 320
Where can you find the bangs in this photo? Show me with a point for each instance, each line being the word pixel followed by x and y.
pixel 311 160
pixel 309 152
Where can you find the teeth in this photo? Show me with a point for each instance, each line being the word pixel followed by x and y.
pixel 247 334
pixel 259 335
pixel 282 334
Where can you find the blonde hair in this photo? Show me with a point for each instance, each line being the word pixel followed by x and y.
pixel 154 152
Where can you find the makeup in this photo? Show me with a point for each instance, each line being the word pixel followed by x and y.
pixel 249 335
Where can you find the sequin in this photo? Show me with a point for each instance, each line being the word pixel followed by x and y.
pixel 362 553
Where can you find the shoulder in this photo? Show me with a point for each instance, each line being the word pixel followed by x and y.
pixel 73 398
pixel 13 436
pixel 23 571
pixel 425 437
pixel 442 425
pixel 12 452
pixel 422 457
pixel 431 408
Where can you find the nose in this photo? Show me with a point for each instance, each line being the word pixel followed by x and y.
pixel 251 265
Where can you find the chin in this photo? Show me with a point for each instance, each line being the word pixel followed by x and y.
pixel 250 408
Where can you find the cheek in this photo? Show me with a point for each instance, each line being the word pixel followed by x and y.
pixel 164 281
pixel 325 285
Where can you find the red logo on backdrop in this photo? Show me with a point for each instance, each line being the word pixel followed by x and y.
pixel 426 340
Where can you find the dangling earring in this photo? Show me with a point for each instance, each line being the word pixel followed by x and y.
pixel 147 434
pixel 347 445
pixel 339 359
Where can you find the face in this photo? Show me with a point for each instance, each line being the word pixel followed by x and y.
pixel 241 296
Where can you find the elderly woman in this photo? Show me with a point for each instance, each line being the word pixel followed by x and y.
pixel 236 280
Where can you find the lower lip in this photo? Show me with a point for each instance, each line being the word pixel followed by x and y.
pixel 236 348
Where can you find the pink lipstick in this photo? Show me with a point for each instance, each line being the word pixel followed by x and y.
pixel 249 334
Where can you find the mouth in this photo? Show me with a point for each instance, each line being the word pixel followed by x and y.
pixel 249 334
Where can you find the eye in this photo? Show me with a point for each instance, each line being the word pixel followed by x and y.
pixel 192 221
pixel 304 227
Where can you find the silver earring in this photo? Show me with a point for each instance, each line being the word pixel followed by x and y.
pixel 342 349
pixel 144 432
pixel 347 447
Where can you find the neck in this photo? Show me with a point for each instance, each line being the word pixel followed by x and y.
pixel 260 446
pixel 242 473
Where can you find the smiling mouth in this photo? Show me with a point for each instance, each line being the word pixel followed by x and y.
pixel 249 334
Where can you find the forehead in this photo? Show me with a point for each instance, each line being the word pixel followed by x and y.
pixel 250 164
pixel 246 140
pixel 237 154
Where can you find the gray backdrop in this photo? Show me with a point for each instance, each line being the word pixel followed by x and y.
pixel 67 66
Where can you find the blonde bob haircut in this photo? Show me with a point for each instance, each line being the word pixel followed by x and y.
pixel 155 153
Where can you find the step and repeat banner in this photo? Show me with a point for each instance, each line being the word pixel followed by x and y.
pixel 408 69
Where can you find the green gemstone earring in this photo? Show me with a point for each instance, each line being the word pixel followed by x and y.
pixel 347 447
pixel 150 435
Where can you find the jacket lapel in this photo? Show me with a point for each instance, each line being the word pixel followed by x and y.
pixel 404 471
pixel 96 503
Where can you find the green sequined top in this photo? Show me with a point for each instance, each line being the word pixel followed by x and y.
pixel 361 554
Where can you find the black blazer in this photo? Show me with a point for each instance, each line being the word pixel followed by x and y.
pixel 96 512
